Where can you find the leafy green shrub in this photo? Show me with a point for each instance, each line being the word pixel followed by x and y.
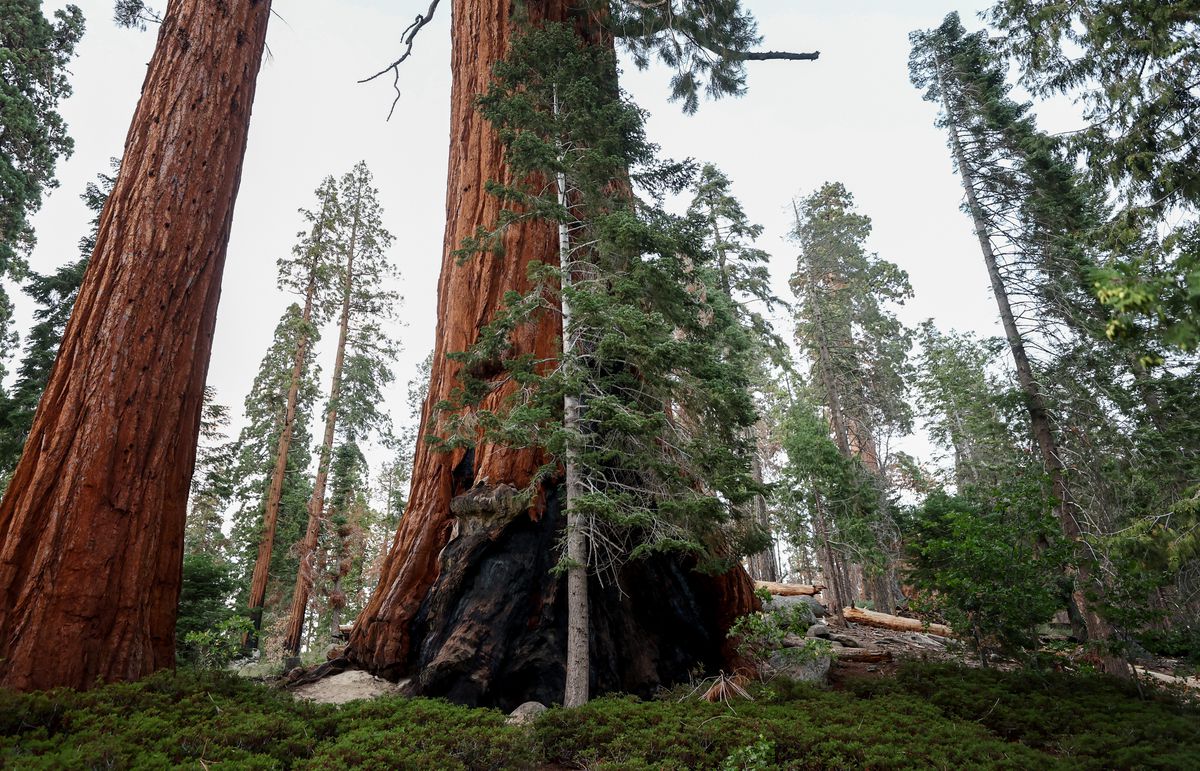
pixel 758 635
pixel 215 648
pixel 991 570
pixel 1095 721
pixel 422 733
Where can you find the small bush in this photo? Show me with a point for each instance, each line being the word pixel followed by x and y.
pixel 990 570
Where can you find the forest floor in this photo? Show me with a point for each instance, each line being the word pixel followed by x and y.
pixel 904 715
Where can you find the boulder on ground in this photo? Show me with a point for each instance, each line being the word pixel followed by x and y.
pixel 812 603
pixel 526 713
pixel 800 664
pixel 818 630
pixel 350 685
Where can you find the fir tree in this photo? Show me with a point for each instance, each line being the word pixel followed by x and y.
pixel 35 54
pixel 1133 66
pixel 309 273
pixel 265 413
pixel 743 280
pixel 212 484
pixel 968 411
pixel 963 73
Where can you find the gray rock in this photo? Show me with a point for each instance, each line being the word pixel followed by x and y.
pixel 526 713
pixel 805 668
pixel 848 642
pixel 776 602
pixel 818 630
pixel 815 609
pixel 347 686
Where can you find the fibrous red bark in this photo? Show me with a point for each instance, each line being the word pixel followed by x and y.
pixel 469 603
pixel 91 528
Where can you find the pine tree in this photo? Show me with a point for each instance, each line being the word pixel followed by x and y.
pixel 857 350
pixel 104 477
pixel 362 361
pixel 308 272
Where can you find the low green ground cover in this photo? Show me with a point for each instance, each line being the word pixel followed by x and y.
pixel 928 716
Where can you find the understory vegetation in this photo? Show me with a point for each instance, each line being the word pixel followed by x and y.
pixel 928 715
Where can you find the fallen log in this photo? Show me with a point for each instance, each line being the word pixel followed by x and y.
pixel 1186 682
pixel 865 655
pixel 788 590
pixel 896 623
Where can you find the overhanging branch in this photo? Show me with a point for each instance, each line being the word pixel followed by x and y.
pixel 760 56
pixel 406 38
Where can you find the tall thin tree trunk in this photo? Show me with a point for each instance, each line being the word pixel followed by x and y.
pixel 1039 417
pixel 838 596
pixel 764 565
pixel 316 503
pixel 91 528
pixel 577 666
pixel 266 543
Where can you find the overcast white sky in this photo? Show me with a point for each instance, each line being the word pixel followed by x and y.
pixel 852 116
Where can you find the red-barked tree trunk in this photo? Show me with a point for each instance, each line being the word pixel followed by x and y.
pixel 466 602
pixel 91 528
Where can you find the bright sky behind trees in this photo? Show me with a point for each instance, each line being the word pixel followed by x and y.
pixel 852 116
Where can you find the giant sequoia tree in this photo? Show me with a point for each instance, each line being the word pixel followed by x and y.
pixel 91 528
pixel 469 602
pixel 857 349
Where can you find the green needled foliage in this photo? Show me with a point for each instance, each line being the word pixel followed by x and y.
pixel 705 42
pixel 34 53
pixel 255 457
pixel 969 411
pixel 989 561
pixel 1125 434
pixel 659 359
pixel 1133 66
pixel 857 353
pixel 213 483
pixel 1139 141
